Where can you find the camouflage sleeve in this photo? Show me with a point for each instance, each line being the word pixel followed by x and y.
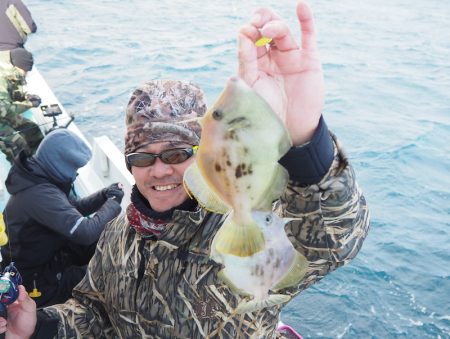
pixel 12 109
pixel 331 219
pixel 19 107
pixel 12 94
pixel 84 315
pixel 22 104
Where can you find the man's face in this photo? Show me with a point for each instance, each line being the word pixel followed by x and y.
pixel 162 184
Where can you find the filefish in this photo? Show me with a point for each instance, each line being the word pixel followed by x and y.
pixel 236 172
pixel 237 160
pixel 278 266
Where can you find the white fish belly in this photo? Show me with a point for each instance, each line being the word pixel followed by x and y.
pixel 258 273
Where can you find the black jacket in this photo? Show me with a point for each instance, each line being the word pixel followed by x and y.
pixel 49 230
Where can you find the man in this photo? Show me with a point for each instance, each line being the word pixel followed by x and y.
pixel 51 236
pixel 151 275
pixel 17 133
pixel 16 24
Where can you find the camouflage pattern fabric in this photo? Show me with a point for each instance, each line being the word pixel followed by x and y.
pixel 169 288
pixel 5 60
pixel 16 132
pixel 157 110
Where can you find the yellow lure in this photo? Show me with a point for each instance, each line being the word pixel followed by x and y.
pixel 263 41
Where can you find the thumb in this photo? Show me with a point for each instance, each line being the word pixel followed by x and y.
pixel 26 303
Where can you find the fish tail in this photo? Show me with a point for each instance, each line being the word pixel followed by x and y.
pixel 196 187
pixel 239 240
pixel 295 273
pixel 257 304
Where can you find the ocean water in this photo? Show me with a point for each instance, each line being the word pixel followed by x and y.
pixel 387 74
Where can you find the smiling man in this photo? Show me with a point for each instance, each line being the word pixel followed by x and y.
pixel 158 149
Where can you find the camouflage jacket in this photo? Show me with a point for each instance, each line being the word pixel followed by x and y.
pixel 13 98
pixel 169 288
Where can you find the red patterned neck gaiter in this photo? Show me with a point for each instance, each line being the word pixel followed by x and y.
pixel 143 224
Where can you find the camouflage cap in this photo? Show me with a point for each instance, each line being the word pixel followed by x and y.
pixel 157 110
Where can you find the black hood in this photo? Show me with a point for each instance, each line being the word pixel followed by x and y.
pixel 26 173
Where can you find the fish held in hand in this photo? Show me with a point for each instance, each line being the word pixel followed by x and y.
pixel 278 266
pixel 236 169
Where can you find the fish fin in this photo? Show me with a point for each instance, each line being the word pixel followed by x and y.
pixel 239 240
pixel 255 304
pixel 196 186
pixel 275 190
pixel 295 273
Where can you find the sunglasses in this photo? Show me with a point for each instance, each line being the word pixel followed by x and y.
pixel 170 156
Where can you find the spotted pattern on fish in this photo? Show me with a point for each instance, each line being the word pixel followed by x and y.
pixel 243 169
pixel 231 135
pixel 181 295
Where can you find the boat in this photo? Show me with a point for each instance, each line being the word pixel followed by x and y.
pixel 106 166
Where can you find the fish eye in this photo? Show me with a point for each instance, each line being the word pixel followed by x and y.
pixel 217 115
pixel 268 219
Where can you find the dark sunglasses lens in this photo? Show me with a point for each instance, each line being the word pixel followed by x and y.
pixel 175 156
pixel 141 160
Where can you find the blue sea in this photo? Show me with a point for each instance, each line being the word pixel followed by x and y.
pixel 387 74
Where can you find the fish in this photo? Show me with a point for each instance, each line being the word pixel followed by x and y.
pixel 236 167
pixel 236 173
pixel 260 276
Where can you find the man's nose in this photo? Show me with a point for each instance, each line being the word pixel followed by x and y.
pixel 160 169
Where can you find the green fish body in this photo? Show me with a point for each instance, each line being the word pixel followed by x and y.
pixel 236 167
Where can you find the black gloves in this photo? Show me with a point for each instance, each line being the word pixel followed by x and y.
pixel 18 96
pixel 34 99
pixel 113 191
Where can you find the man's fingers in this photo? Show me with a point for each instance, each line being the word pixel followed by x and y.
pixel 3 323
pixel 270 25
pixel 280 33
pixel 306 20
pixel 248 54
pixel 27 304
pixel 263 16
pixel 253 34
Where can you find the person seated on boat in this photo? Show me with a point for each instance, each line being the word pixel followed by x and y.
pixel 17 133
pixel 52 234
pixel 151 275
pixel 16 24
